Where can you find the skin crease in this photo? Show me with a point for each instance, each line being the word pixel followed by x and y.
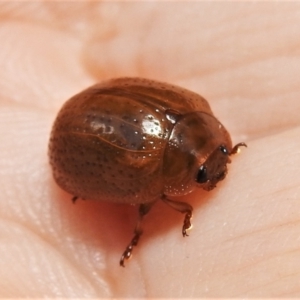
pixel 242 57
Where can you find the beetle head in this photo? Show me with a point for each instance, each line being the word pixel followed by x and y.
pixel 197 154
pixel 214 168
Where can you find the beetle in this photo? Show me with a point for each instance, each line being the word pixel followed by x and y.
pixel 135 140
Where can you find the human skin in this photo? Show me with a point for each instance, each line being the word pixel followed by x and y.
pixel 243 58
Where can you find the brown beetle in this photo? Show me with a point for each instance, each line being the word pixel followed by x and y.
pixel 134 140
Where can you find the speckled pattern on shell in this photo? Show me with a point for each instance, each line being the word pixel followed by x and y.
pixel 108 142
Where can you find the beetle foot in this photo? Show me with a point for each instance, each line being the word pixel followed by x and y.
pixel 182 207
pixel 236 148
pixel 128 251
pixel 187 223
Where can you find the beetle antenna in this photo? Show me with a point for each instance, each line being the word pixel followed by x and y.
pixel 235 149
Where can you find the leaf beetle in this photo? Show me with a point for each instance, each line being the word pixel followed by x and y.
pixel 135 140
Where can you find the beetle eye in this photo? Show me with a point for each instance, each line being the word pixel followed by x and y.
pixel 224 149
pixel 202 175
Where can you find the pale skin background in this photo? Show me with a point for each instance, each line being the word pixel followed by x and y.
pixel 242 57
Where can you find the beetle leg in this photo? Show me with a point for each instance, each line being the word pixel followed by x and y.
pixel 235 149
pixel 184 208
pixel 143 210
pixel 75 198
